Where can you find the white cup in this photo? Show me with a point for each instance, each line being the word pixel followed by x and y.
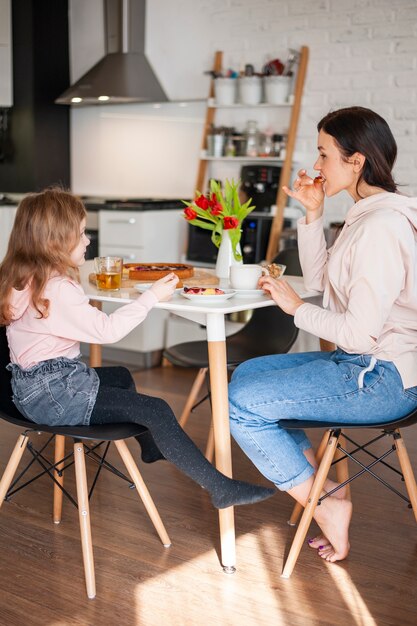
pixel 246 276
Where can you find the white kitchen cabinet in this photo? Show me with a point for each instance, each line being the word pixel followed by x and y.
pixel 7 215
pixel 6 81
pixel 146 236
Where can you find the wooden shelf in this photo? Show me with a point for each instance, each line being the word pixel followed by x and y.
pixel 244 159
pixel 294 105
pixel 211 103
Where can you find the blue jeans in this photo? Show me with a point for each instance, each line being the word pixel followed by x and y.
pixel 56 392
pixel 316 386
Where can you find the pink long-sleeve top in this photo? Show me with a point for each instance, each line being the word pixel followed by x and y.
pixel 369 281
pixel 71 319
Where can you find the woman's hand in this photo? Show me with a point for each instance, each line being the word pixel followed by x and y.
pixel 165 287
pixel 310 193
pixel 281 293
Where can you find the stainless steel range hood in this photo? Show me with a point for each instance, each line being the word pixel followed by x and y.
pixel 124 74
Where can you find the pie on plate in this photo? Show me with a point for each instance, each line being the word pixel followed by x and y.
pixel 154 271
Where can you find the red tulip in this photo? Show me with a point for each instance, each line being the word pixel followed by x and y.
pixel 202 202
pixel 216 208
pixel 230 223
pixel 190 214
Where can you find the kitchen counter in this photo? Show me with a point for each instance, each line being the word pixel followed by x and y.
pixel 132 204
pixel 94 204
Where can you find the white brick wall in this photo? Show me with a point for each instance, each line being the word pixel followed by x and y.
pixel 362 52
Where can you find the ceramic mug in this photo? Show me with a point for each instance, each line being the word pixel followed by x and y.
pixel 246 276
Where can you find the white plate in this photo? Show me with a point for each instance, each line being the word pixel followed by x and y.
pixel 145 286
pixel 200 298
pixel 250 293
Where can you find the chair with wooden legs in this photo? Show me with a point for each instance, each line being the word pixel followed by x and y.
pixel 333 451
pixel 269 331
pixel 82 437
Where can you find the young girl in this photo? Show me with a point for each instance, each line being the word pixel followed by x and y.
pixel 369 284
pixel 47 316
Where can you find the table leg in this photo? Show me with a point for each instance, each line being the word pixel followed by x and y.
pixel 220 407
pixel 95 349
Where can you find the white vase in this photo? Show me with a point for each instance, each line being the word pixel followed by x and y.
pixel 225 258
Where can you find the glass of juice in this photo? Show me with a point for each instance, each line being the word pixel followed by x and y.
pixel 108 272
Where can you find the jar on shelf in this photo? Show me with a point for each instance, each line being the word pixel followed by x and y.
pixel 216 144
pixel 230 148
pixel 266 146
pixel 225 90
pixel 250 89
pixel 277 89
pixel 278 145
pixel 252 138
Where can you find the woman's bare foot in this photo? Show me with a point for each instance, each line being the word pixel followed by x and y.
pixel 322 541
pixel 333 516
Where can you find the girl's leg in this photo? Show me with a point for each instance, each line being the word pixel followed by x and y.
pixel 115 405
pixel 329 387
pixel 120 377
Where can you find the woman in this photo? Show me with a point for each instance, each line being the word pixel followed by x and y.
pixel 369 284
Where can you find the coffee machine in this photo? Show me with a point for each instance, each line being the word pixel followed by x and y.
pixel 260 182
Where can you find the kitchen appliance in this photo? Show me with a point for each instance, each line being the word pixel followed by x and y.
pixel 124 74
pixel 254 241
pixel 260 182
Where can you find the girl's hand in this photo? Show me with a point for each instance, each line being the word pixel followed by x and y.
pixel 165 287
pixel 310 193
pixel 281 293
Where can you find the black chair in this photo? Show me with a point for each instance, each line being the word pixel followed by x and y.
pixel 99 433
pixel 332 451
pixel 269 331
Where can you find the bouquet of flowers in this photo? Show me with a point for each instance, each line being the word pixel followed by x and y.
pixel 220 211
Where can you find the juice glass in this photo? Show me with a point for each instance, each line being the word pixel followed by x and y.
pixel 108 272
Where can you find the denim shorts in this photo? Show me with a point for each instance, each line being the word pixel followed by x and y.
pixel 56 392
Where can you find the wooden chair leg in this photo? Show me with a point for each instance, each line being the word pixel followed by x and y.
pixel 298 508
pixel 192 396
pixel 209 453
pixel 407 470
pixel 342 468
pixel 12 465
pixel 59 454
pixel 313 498
pixel 84 517
pixel 143 492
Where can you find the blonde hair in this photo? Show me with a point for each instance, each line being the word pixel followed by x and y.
pixel 45 231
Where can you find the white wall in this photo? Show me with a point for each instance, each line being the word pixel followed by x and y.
pixel 362 52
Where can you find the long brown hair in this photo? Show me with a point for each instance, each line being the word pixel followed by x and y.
pixel 357 129
pixel 45 231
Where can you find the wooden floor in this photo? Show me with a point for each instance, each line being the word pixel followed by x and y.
pixel 140 583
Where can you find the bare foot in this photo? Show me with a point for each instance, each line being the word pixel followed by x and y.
pixel 333 516
pixel 320 540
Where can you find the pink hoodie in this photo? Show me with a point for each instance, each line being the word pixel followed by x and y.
pixel 369 281
pixel 71 319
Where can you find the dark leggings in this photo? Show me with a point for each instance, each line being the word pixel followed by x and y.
pixel 119 402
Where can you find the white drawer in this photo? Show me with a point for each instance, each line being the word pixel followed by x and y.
pixel 124 228
pixel 128 254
